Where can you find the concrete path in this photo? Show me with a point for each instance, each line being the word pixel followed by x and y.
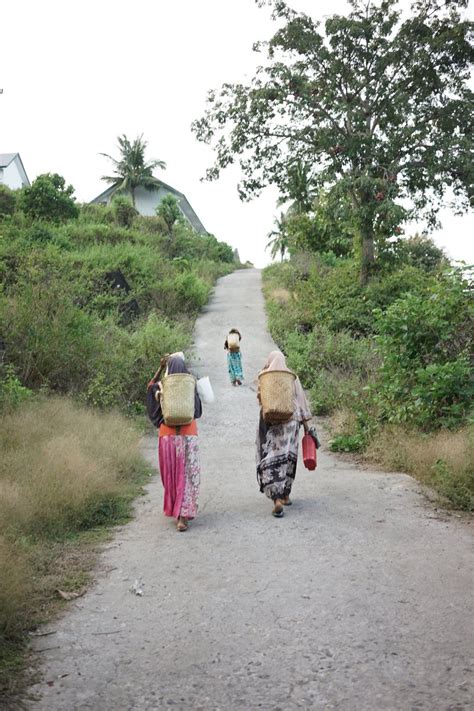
pixel 360 598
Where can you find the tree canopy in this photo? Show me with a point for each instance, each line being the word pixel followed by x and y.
pixel 377 104
pixel 132 170
pixel 49 198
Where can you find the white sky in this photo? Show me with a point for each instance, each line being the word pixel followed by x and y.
pixel 76 75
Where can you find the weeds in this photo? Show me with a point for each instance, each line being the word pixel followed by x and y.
pixel 65 473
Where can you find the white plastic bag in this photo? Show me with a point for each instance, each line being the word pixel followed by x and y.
pixel 205 391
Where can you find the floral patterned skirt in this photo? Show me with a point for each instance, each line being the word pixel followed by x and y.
pixel 234 366
pixel 180 471
pixel 277 457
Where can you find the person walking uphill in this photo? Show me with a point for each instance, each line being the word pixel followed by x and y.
pixel 178 449
pixel 277 444
pixel 234 356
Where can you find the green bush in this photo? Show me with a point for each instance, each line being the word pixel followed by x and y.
pixel 123 210
pixel 88 306
pixel 48 198
pixel 12 392
pixel 425 378
pixel 7 201
pixel 49 340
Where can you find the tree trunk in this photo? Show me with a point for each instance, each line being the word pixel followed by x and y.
pixel 367 259
pixel 132 190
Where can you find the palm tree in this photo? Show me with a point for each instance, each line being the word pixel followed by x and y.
pixel 130 170
pixel 300 188
pixel 278 238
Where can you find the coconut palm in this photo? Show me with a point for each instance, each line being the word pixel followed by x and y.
pixel 131 170
pixel 300 188
pixel 278 238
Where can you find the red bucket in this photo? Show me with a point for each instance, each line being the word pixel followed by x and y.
pixel 309 452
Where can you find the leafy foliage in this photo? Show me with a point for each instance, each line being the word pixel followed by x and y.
pixel 123 210
pixel 278 238
pixel 88 306
pixel 7 201
pixel 49 199
pixel 132 170
pixel 424 340
pixel 377 105
pixel 170 212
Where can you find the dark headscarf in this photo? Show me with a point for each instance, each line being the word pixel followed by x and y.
pixel 175 365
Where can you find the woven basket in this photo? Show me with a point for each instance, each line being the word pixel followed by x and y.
pixel 177 399
pixel 233 341
pixel 277 395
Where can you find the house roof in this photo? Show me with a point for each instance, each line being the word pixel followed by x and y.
pixel 6 159
pixel 184 204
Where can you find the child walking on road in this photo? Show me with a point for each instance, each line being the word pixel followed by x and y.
pixel 234 356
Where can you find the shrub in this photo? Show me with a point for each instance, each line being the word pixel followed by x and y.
pixel 7 201
pixel 170 212
pixel 123 210
pixel 425 378
pixel 12 392
pixel 48 338
pixel 48 198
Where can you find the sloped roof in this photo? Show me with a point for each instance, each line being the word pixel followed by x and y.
pixel 184 204
pixel 6 159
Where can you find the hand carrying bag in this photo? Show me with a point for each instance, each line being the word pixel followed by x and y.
pixel 205 390
pixel 309 452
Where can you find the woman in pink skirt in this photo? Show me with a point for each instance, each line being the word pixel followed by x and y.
pixel 178 450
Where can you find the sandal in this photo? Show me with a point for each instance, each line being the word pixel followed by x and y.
pixel 286 501
pixel 181 524
pixel 277 508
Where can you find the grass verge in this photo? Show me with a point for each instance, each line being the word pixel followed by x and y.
pixel 443 460
pixel 66 474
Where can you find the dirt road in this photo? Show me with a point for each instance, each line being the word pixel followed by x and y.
pixel 359 598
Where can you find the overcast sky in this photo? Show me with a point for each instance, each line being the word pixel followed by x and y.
pixel 76 75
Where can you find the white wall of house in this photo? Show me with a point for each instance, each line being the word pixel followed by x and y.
pixel 146 201
pixel 13 175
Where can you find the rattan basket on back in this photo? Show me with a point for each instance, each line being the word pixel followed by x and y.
pixel 233 341
pixel 277 395
pixel 177 399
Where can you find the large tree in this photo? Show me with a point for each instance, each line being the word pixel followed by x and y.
pixel 131 169
pixel 377 103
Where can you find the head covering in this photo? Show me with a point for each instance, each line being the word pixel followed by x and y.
pixel 277 361
pixel 176 364
pixel 178 354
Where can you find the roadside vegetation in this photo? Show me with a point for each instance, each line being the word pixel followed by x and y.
pixel 363 124
pixel 91 297
pixel 389 364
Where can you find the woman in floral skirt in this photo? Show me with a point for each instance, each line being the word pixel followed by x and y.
pixel 178 450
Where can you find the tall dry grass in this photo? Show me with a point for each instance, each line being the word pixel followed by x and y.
pixel 443 460
pixel 63 469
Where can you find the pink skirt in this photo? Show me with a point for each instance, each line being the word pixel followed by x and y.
pixel 180 471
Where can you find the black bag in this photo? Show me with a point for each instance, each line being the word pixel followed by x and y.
pixel 312 432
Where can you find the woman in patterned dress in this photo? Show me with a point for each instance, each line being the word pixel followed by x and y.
pixel 277 445
pixel 178 450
